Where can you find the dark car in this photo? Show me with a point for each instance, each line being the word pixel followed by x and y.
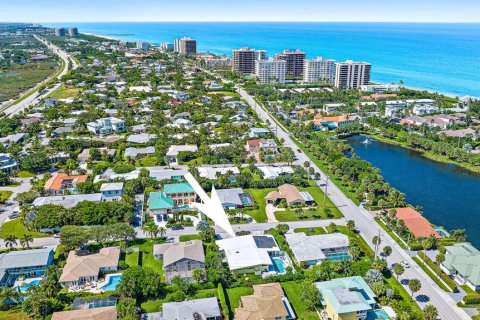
pixel 177 227
pixel 299 151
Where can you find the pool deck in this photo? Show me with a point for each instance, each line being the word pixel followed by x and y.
pixel 20 283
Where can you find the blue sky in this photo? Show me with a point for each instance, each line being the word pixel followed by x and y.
pixel 247 10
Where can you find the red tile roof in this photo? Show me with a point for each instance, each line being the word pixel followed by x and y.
pixel 416 223
pixel 55 182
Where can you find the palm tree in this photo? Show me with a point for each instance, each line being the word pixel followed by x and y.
pixel 414 285
pixel 351 225
pixel 26 240
pixel 387 250
pixel 162 231
pixel 398 269
pixel 10 241
pixel 10 295
pixel 430 312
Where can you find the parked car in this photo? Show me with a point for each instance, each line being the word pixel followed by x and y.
pixel 56 235
pixel 405 264
pixel 177 227
pixel 299 151
pixel 13 215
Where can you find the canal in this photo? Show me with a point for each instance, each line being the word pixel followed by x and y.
pixel 449 195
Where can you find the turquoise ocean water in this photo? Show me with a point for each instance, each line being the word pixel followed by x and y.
pixel 436 57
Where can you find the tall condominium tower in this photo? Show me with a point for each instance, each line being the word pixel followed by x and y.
pixel 319 70
pixel 351 74
pixel 294 61
pixel 186 46
pixel 270 71
pixel 244 59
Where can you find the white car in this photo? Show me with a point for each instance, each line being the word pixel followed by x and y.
pixel 405 264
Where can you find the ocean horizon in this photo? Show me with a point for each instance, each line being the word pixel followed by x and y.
pixel 440 57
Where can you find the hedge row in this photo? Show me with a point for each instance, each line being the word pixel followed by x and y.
pixel 442 275
pixel 472 298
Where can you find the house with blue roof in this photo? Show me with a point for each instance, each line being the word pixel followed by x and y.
pixel 182 194
pixel 349 298
pixel 28 263
pixel 159 203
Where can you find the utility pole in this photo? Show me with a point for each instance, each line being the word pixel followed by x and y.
pixel 325 193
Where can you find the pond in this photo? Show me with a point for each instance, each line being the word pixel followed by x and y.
pixel 449 195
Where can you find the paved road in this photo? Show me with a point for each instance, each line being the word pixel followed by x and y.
pixel 11 205
pixel 430 293
pixel 35 97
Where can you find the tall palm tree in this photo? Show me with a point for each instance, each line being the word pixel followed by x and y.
pixel 10 241
pixel 162 231
pixel 376 241
pixel 26 240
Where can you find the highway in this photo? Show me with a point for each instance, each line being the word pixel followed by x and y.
pixel 35 97
pixel 430 293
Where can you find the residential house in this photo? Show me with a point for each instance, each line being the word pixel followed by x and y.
pixel 59 182
pixel 141 138
pixel 183 124
pixel 272 172
pixel 173 151
pixel 462 263
pixel 180 258
pixel 313 250
pixel 332 107
pixel 268 302
pixel 347 298
pixel 250 254
pixel 102 313
pixel 85 154
pixel 159 203
pixel 29 263
pixel 264 145
pixel 160 174
pixel 7 162
pixel 111 191
pixel 258 132
pixel 105 126
pixel 16 138
pixel 82 268
pixel 234 198
pixel 181 193
pixel 291 194
pixel 138 152
pixel 68 201
pixel 416 223
pixel 211 172
pixel 205 309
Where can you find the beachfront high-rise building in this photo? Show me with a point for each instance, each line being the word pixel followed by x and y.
pixel 60 32
pixel 270 71
pixel 186 46
pixel 319 70
pixel 350 74
pixel 73 32
pixel 142 45
pixel 294 59
pixel 244 59
pixel 167 46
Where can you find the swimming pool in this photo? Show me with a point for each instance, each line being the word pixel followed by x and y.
pixel 112 283
pixel 339 256
pixel 25 287
pixel 278 265
pixel 377 314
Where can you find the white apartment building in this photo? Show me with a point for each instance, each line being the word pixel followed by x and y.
pixel 319 70
pixel 186 46
pixel 143 46
pixel 350 74
pixel 270 71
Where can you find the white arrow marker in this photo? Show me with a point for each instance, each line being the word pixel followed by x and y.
pixel 211 206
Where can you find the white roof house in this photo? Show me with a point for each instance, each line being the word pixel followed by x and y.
pixel 316 248
pixel 135 152
pixel 273 172
pixel 141 138
pixel 248 251
pixel 211 172
pixel 67 201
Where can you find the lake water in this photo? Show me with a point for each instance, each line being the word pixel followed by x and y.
pixel 449 195
pixel 432 56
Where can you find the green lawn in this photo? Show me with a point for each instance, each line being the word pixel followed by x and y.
pixel 311 231
pixel 15 313
pixel 156 304
pixel 25 174
pixel 258 196
pixel 17 228
pixel 64 93
pixel 189 237
pixel 4 195
pixel 147 258
pixel 430 274
pixel 234 295
pixel 131 259
pixel 319 212
pixel 292 291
